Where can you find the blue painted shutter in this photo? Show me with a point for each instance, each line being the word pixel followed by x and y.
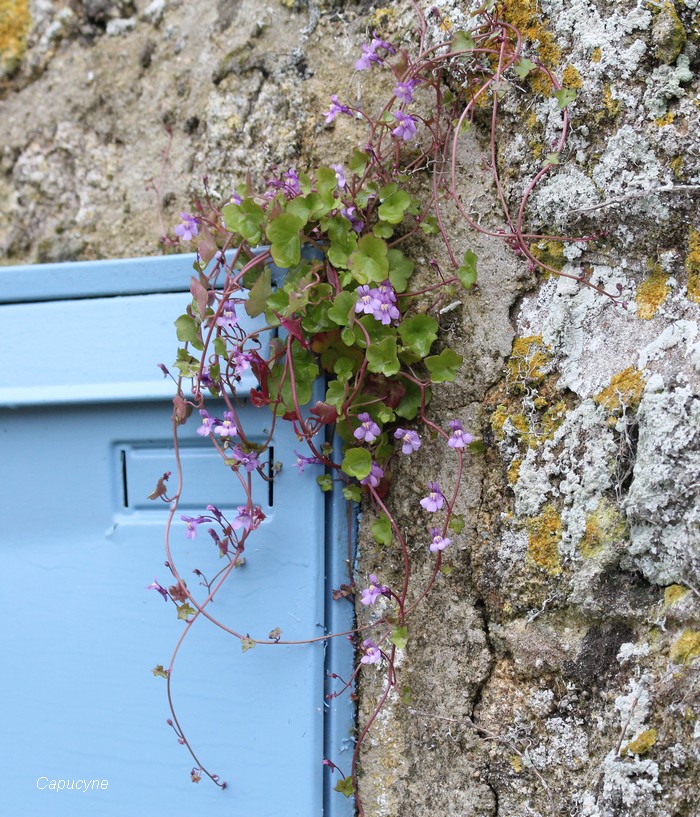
pixel 84 435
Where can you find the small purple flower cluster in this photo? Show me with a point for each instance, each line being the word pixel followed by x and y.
pixel 380 302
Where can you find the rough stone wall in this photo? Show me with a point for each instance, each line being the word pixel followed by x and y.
pixel 555 671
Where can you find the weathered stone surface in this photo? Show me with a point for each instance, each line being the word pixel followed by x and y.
pixel 555 670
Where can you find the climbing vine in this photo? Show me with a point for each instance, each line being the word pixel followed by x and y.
pixel 321 262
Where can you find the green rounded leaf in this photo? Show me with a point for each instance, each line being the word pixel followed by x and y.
pixel 443 367
pixel 357 463
pixel 418 334
pixel 343 308
pixel 245 219
pixel 467 272
pixel 369 262
pixel 285 239
pixel 382 357
pixel 400 269
pixel 381 530
pixel 399 638
pixel 395 202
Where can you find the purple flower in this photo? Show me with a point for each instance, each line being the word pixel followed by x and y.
pixel 214 510
pixel 226 428
pixel 188 229
pixel 404 90
pixel 367 299
pixel 369 53
pixel 368 429
pixel 458 439
pixel 385 309
pixel 191 522
pixel 372 653
pixel 205 379
pixel 249 460
pixel 235 198
pixel 372 479
pixel 228 318
pixel 288 184
pixel 334 110
pixel 386 291
pixel 302 462
pixel 349 213
pixel 438 543
pixel 241 361
pixel 435 500
pixel 248 518
pixel 410 441
pixel 374 591
pixel 161 590
pixel 340 175
pixel 207 424
pixel 406 129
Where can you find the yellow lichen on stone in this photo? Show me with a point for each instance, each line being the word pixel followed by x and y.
pixel 571 78
pixel 526 16
pixel 382 18
pixel 641 744
pixel 525 367
pixel 652 292
pixel 666 119
pixel 544 534
pixel 605 526
pixel 514 471
pixel 674 593
pixel 516 763
pixel 692 265
pixel 669 33
pixel 596 55
pixel 625 391
pixel 553 418
pixel 686 648
pixel 612 105
pixel 15 21
pixel 550 253
pixel 676 166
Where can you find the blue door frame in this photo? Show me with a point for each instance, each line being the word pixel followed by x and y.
pixel 84 424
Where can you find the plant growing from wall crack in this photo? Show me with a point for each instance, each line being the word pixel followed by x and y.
pixel 348 308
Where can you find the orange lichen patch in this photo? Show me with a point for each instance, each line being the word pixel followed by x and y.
pixel 571 77
pixel 692 265
pixel 686 648
pixel 544 535
pixel 652 292
pixel 605 526
pixel 527 363
pixel 15 21
pixel 641 744
pixel 596 55
pixel 625 391
pixel 553 418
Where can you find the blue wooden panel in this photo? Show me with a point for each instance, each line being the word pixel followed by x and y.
pixel 80 631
